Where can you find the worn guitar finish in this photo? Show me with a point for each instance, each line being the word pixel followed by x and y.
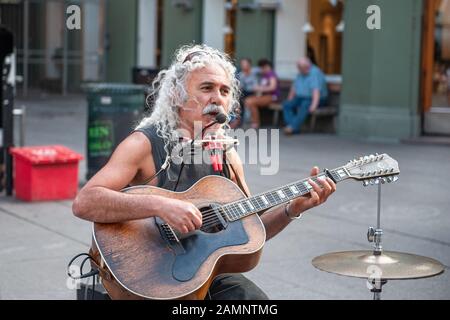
pixel 147 259
pixel 142 260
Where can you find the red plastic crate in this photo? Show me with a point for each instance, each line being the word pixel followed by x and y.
pixel 45 173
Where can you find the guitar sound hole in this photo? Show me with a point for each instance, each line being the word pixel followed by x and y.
pixel 212 222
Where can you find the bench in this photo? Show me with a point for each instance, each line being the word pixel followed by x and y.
pixel 325 111
pixel 277 108
pixel 330 110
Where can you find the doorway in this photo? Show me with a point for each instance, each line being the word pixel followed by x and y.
pixel 436 68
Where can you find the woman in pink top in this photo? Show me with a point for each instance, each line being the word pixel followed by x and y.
pixel 266 92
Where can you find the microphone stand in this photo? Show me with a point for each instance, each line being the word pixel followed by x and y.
pixel 220 118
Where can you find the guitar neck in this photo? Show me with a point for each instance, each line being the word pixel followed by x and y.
pixel 261 202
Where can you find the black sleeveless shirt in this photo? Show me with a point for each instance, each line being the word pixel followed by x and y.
pixel 181 176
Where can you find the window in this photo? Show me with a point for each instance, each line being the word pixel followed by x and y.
pixel 325 41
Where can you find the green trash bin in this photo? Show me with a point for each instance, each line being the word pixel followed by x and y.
pixel 114 109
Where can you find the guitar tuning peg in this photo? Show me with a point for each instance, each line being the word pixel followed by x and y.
pixel 383 180
pixel 389 179
pixel 372 182
pixel 394 179
pixel 365 183
pixel 377 181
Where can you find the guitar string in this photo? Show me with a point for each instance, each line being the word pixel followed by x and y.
pixel 303 191
pixel 211 213
pixel 209 217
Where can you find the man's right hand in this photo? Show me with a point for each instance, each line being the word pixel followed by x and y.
pixel 181 215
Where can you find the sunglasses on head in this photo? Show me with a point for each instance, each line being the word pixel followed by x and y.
pixel 193 54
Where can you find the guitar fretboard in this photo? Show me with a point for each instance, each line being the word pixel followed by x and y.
pixel 242 208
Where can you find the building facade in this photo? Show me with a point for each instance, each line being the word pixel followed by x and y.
pixel 394 77
pixel 389 90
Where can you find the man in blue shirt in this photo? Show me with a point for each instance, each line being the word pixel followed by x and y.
pixel 308 92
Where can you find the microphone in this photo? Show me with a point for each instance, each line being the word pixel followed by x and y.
pixel 221 118
pixel 213 147
pixel 216 162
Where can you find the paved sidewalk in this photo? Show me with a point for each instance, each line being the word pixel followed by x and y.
pixel 38 239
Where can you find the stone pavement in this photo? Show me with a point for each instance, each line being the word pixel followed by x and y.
pixel 38 239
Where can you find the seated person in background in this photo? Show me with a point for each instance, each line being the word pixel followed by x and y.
pixel 308 92
pixel 248 78
pixel 448 84
pixel 266 92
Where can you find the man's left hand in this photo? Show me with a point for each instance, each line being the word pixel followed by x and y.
pixel 317 196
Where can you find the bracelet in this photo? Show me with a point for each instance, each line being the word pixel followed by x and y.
pixel 287 213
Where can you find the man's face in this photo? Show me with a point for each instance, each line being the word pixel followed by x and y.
pixel 245 65
pixel 303 68
pixel 205 86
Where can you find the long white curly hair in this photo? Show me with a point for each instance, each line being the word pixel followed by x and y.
pixel 169 88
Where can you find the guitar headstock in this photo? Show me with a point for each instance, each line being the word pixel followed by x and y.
pixel 373 169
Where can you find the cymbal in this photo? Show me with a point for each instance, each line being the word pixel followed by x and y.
pixel 392 265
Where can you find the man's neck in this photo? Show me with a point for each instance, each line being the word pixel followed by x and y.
pixel 186 131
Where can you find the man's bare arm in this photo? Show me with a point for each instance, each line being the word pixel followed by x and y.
pixel 315 100
pixel 291 93
pixel 100 200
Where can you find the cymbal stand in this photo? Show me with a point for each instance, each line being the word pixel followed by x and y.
pixel 375 283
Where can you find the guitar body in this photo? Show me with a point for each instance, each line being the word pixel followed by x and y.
pixel 145 265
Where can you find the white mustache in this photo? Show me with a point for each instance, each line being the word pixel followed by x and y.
pixel 213 108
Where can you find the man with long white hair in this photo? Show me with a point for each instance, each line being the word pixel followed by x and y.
pixel 199 85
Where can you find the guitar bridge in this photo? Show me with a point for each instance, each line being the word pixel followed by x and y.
pixel 169 236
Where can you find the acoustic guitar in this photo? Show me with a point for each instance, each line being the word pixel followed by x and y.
pixel 147 259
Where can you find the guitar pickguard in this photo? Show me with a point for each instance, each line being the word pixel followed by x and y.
pixel 199 246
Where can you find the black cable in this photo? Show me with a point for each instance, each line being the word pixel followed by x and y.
pixel 92 273
pixel 82 264
pixel 179 175
pixel 73 259
pixel 163 167
pixel 82 276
